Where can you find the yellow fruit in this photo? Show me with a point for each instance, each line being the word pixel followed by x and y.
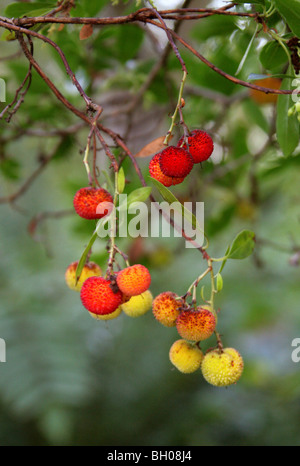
pixel 185 357
pixel 89 270
pixel 222 368
pixel 110 316
pixel 138 305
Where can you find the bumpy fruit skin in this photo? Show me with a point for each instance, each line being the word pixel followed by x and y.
pixel 185 357
pixel 176 162
pixel 222 369
pixel 86 201
pixel 166 308
pixel 209 308
pixel 196 325
pixel 201 145
pixel 89 270
pixel 260 97
pixel 134 280
pixel 138 305
pixel 111 316
pixel 98 297
pixel 156 173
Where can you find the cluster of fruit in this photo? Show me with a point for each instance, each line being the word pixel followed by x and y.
pixel 220 367
pixel 173 164
pixel 127 290
pixel 105 299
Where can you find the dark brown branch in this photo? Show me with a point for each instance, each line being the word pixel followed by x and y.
pixel 140 15
pixel 19 31
pixel 126 19
pixel 19 96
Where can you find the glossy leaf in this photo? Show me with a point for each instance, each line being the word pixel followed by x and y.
pixel 139 195
pixel 273 56
pixel 169 197
pixel 242 246
pixel 18 9
pixel 290 10
pixel 84 255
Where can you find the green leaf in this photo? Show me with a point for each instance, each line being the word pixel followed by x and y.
pixel 243 60
pixel 139 195
pixel 82 260
pixel 18 9
pixel 170 198
pixel 273 56
pixel 87 8
pixel 287 127
pixel 214 26
pixel 225 260
pixel 290 10
pixel 121 181
pixel 242 245
pixel 129 40
pixel 180 208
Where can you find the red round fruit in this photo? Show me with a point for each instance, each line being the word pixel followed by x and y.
pixel 175 162
pixel 92 203
pixel 98 297
pixel 201 145
pixel 157 174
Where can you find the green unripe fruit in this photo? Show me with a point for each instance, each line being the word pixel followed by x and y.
pixel 222 368
pixel 185 357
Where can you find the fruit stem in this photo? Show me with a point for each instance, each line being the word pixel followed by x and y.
pixel 213 286
pixel 112 249
pixel 196 282
pixel 219 342
pixel 85 161
pixel 178 106
pixel 125 257
pixel 194 299
pixel 186 132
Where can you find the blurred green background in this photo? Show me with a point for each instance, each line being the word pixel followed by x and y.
pixel 72 380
